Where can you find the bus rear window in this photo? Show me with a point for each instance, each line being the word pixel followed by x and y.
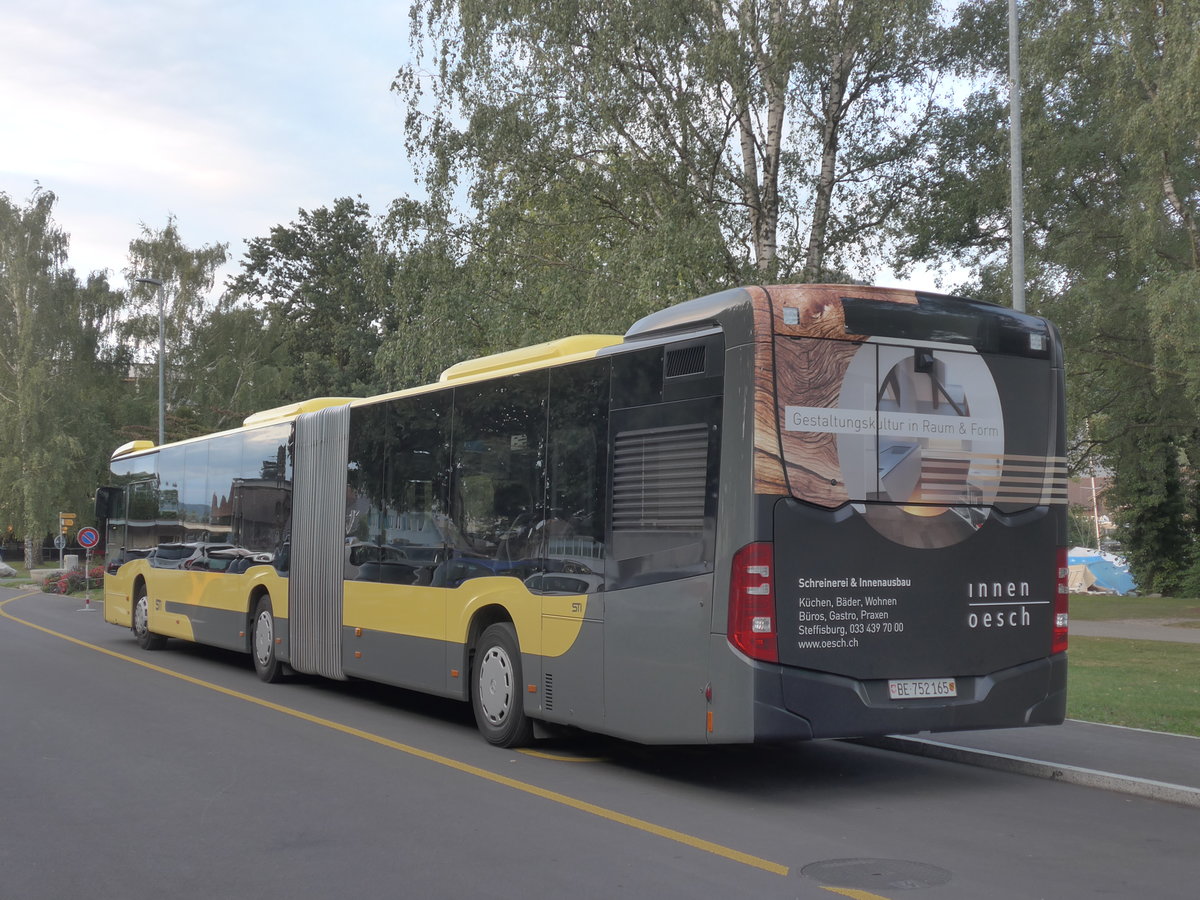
pixel 950 320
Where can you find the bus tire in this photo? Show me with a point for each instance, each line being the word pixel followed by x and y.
pixel 140 626
pixel 496 695
pixel 262 642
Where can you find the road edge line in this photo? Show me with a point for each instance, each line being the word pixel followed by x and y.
pixel 1037 768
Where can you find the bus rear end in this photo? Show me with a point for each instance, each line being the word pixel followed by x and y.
pixel 907 570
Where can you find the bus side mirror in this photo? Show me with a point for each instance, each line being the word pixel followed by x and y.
pixel 106 499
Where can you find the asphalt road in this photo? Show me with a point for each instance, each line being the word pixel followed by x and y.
pixel 129 774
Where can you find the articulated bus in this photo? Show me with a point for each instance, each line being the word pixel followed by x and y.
pixel 768 514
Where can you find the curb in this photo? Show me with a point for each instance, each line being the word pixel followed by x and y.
pixel 1020 765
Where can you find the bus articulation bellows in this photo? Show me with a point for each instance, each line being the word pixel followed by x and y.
pixel 772 513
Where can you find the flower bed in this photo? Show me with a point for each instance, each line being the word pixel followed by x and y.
pixel 70 582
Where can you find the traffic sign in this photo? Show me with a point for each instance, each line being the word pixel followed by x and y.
pixel 59 542
pixel 88 537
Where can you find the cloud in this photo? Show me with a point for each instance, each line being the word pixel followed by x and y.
pixel 229 115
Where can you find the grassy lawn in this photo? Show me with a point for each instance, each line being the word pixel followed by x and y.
pixel 1096 607
pixel 1140 684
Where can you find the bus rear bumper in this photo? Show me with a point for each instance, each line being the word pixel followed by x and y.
pixel 799 704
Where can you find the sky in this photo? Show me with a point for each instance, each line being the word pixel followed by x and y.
pixel 230 115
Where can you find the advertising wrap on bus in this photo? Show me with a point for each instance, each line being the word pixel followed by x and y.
pixel 922 465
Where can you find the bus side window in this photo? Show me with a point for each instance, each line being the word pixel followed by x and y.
pixel 498 486
pixel 573 520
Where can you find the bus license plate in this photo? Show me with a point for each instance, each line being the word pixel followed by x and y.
pixel 917 688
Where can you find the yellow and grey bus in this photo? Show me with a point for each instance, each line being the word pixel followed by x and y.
pixel 771 513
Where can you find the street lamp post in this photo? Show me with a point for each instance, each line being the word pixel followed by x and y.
pixel 161 354
pixel 1017 189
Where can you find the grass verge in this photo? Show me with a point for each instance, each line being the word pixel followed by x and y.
pixel 1139 684
pixel 1099 607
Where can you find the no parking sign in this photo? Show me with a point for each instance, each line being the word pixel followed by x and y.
pixel 88 537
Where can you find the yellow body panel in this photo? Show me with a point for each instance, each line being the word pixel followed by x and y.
pixel 207 590
pixel 132 447
pixel 562 617
pixel 118 602
pixel 538 356
pixel 292 410
pixel 395 609
pixel 546 625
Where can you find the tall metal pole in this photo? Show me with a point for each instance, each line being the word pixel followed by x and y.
pixel 1014 133
pixel 162 352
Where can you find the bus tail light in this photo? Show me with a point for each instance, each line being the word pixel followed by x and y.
pixel 1062 600
pixel 752 627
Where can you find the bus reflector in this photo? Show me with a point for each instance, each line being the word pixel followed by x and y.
pixel 1062 601
pixel 752 603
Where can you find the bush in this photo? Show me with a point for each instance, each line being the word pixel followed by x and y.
pixel 70 582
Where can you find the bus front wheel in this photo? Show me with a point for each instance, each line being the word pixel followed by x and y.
pixel 262 642
pixel 146 638
pixel 496 688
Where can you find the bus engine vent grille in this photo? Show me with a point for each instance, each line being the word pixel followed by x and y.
pixel 660 479
pixel 548 692
pixel 685 361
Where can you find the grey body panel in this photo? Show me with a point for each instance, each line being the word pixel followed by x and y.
pixel 219 627
pixel 571 688
pixel 800 704
pixel 730 309
pixel 401 660
pixel 318 499
pixel 733 695
pixel 655 670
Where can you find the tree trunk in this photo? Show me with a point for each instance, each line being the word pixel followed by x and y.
pixel 839 76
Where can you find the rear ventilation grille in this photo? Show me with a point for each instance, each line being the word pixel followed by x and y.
pixel 685 361
pixel 660 478
pixel 548 692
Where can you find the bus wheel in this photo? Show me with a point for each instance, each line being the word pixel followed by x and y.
pixel 496 688
pixel 146 639
pixel 262 642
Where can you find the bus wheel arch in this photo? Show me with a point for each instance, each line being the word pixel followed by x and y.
pixel 140 618
pixel 496 683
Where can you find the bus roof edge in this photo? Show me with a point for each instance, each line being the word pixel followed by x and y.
pixel 579 346
pixel 132 447
pixel 291 410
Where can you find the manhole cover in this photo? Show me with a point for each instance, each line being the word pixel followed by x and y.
pixel 891 874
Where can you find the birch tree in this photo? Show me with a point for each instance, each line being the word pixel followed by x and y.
pixel 772 138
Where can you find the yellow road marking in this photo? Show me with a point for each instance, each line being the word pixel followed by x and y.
pixel 533 790
pixel 852 893
pixel 561 757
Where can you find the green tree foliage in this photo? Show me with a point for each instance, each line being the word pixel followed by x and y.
pixel 1112 173
pixel 619 156
pixel 1155 533
pixel 236 365
pixel 51 380
pixel 188 276
pixel 326 282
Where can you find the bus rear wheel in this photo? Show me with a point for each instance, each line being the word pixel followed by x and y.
pixel 262 642
pixel 496 688
pixel 146 638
